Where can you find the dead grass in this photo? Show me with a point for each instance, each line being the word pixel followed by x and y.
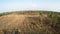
pixel 35 23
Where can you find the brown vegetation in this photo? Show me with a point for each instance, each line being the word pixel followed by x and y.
pixel 30 23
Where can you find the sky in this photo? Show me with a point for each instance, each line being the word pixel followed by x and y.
pixel 16 5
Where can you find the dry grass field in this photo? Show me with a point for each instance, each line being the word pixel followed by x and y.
pixel 30 22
